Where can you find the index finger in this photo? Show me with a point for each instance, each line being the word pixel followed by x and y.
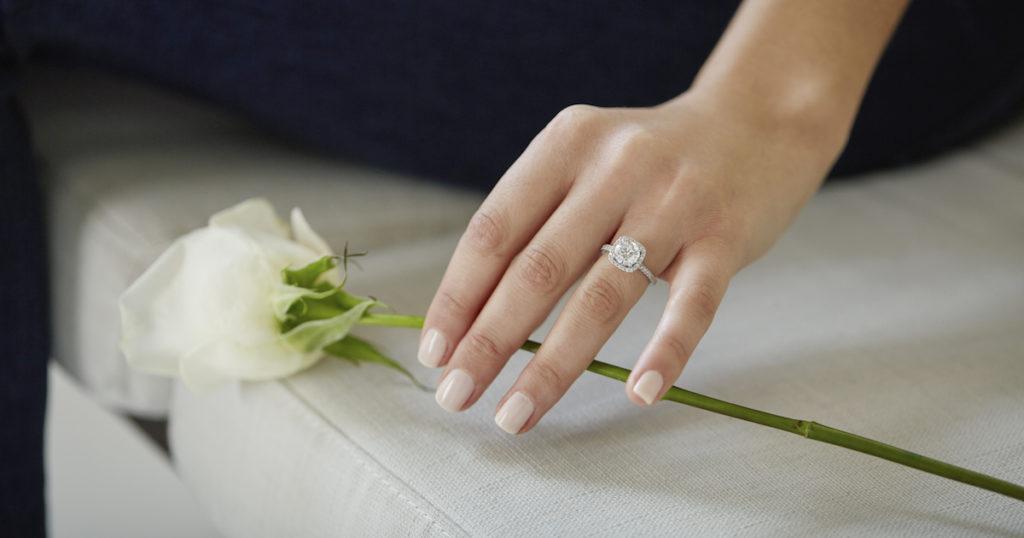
pixel 511 214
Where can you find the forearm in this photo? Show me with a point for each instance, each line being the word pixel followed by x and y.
pixel 800 62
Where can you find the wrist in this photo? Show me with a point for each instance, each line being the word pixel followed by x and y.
pixel 805 111
pixel 795 68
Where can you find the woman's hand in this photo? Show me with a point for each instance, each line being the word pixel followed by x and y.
pixel 706 182
pixel 705 188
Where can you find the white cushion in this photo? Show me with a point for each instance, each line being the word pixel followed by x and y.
pixel 891 309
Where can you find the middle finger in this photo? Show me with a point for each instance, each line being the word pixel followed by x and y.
pixel 538 276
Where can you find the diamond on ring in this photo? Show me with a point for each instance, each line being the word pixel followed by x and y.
pixel 628 255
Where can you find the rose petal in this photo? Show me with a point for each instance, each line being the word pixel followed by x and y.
pixel 145 340
pixel 253 215
pixel 305 235
pixel 224 360
pixel 212 285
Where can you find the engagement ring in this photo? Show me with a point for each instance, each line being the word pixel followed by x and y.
pixel 628 254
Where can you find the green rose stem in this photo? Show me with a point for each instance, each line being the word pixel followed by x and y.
pixel 804 428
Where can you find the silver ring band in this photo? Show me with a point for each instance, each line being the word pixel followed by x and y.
pixel 628 255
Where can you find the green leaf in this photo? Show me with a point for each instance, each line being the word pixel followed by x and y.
pixel 313 336
pixel 358 351
pixel 306 277
pixel 289 302
pixel 347 300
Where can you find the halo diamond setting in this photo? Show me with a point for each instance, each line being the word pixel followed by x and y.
pixel 628 255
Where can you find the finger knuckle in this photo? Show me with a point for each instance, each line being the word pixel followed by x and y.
pixel 716 243
pixel 633 138
pixel 704 297
pixel 575 119
pixel 601 301
pixel 720 226
pixel 451 303
pixel 548 375
pixel 487 231
pixel 542 268
pixel 630 146
pixel 482 347
pixel 690 172
pixel 676 347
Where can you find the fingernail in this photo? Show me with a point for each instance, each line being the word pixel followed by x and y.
pixel 514 413
pixel 648 386
pixel 454 391
pixel 432 348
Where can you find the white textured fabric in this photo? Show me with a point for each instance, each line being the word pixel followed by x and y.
pixel 894 308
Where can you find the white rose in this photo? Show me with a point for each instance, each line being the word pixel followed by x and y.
pixel 208 310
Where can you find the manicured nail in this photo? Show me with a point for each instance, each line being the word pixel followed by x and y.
pixel 432 348
pixel 514 413
pixel 454 391
pixel 648 386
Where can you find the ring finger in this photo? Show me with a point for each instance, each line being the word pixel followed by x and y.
pixel 594 311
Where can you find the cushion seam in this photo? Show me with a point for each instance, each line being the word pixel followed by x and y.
pixel 375 468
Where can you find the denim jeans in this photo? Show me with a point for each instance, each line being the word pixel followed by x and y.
pixel 445 90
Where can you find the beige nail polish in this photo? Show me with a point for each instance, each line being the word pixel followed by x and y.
pixel 454 390
pixel 648 386
pixel 514 413
pixel 432 348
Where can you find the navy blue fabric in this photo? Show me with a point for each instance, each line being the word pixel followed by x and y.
pixel 23 324
pixel 455 91
pixel 446 90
